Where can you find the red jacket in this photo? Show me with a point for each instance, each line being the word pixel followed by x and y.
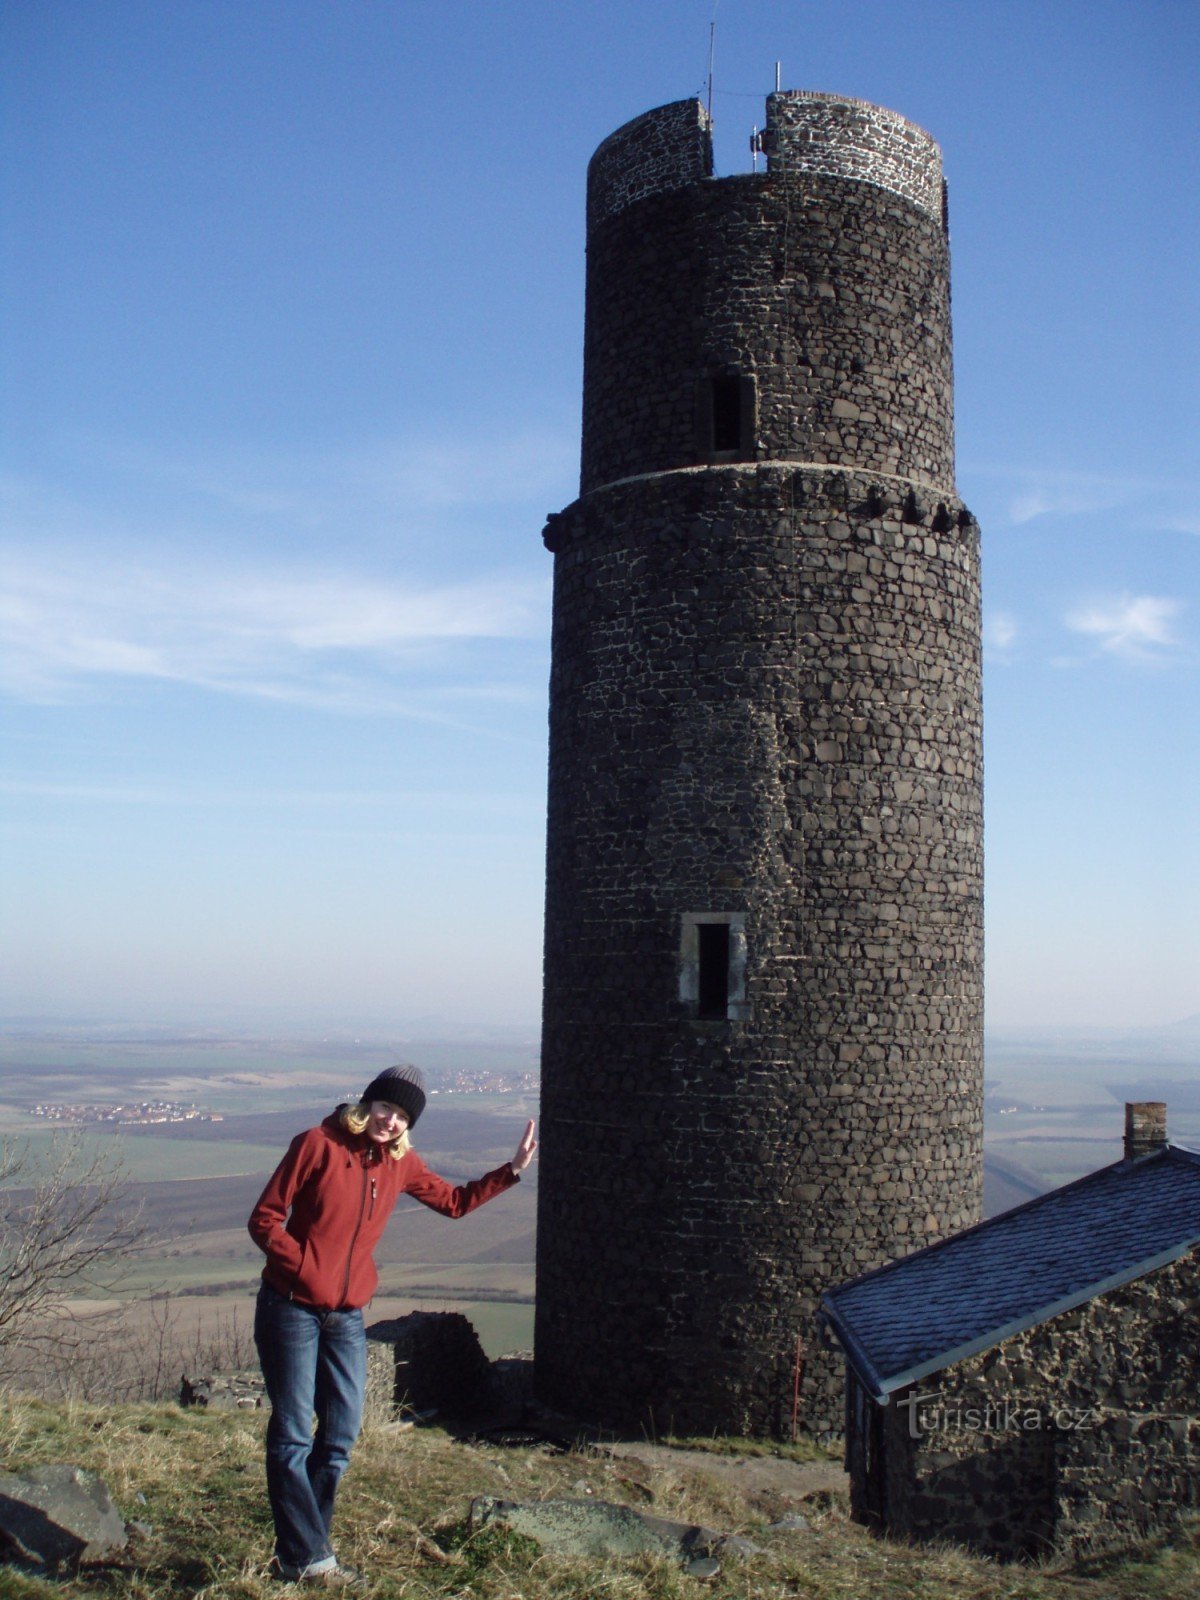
pixel 324 1210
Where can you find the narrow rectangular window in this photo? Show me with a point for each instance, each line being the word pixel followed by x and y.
pixel 712 965
pixel 713 979
pixel 727 414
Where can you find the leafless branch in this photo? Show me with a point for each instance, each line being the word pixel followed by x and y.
pixel 66 1233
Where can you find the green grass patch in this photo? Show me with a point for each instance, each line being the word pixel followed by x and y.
pixel 156 1275
pixel 503 1277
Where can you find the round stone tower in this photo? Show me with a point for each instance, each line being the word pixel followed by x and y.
pixel 762 1057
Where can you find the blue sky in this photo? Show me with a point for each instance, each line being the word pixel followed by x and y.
pixel 291 378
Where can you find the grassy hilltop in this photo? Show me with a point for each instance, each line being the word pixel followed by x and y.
pixel 196 1479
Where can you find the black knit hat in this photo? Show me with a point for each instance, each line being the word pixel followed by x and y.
pixel 401 1086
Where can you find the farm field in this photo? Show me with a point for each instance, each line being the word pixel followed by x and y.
pixel 1052 1112
pixel 227 1321
pixel 229 1073
pixel 149 1159
pixel 1050 1123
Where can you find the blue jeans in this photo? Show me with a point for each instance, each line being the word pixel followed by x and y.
pixel 313 1361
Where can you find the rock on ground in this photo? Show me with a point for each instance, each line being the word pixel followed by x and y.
pixel 58 1515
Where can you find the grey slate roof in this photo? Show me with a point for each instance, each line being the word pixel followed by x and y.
pixel 966 1293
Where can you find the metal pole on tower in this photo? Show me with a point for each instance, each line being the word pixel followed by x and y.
pixel 712 39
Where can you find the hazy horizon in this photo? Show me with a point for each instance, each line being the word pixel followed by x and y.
pixel 285 1029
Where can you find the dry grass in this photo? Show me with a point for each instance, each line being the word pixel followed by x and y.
pixel 197 1480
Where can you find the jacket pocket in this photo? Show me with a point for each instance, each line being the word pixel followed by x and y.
pixel 302 1272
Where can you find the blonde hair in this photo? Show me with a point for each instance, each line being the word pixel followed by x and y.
pixel 355 1118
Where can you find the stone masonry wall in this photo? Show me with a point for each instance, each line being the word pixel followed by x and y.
pixel 1081 1433
pixel 765 700
pixel 833 295
pixel 669 148
pixel 833 137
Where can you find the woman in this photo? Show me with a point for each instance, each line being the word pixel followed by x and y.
pixel 318 1222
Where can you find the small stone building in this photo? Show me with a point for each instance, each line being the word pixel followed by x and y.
pixel 1031 1383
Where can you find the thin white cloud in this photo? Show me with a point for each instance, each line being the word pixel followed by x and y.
pixel 71 621
pixel 1039 492
pixel 418 474
pixel 1071 494
pixel 1135 628
pixel 999 630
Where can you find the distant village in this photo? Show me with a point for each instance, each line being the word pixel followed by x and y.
pixel 143 1112
pixel 490 1083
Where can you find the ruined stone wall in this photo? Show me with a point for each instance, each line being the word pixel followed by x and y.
pixel 765 708
pixel 1079 1434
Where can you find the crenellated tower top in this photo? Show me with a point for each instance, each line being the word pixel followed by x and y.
pixel 801 314
pixel 831 136
pixel 827 135
pixel 664 149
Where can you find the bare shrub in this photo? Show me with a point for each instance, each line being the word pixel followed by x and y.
pixel 67 1233
pixel 161 1348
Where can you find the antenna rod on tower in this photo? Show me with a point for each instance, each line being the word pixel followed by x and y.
pixel 778 65
pixel 712 39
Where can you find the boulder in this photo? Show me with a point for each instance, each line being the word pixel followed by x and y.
pixel 595 1528
pixel 58 1515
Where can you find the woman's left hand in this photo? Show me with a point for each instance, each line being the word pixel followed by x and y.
pixel 525 1150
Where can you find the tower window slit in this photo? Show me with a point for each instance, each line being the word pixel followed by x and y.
pixel 727 413
pixel 712 966
pixel 713 983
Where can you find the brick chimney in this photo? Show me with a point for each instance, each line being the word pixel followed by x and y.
pixel 1145 1127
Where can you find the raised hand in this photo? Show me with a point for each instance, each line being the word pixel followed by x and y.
pixel 525 1150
